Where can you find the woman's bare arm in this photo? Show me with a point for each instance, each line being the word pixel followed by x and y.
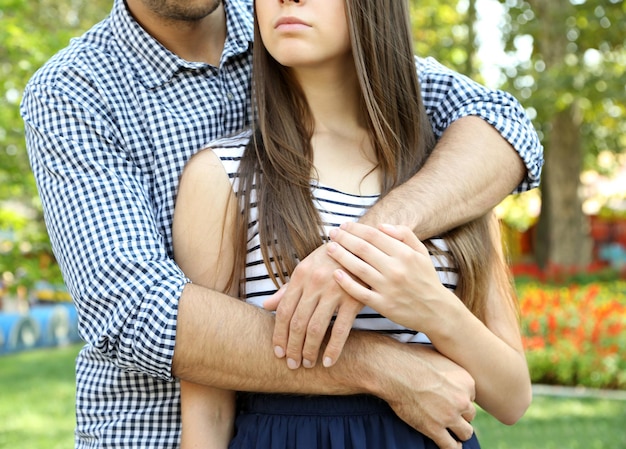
pixel 387 260
pixel 204 250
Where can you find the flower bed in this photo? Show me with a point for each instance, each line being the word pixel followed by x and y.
pixel 575 335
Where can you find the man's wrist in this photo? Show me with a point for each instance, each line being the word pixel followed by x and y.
pixel 369 363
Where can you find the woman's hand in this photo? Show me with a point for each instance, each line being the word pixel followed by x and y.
pixel 401 281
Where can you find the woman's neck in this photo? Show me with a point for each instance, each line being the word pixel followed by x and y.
pixel 343 155
pixel 333 97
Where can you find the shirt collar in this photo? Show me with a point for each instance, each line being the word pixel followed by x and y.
pixel 156 64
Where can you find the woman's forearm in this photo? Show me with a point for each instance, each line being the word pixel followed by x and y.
pixel 498 368
pixel 491 351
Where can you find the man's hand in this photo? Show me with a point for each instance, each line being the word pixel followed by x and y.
pixel 304 310
pixel 437 402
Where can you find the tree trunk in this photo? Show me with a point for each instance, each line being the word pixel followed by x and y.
pixel 562 232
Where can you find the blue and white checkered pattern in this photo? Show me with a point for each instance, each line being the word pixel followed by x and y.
pixel 110 122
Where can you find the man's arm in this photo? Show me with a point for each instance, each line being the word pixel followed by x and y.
pixel 471 170
pixel 486 146
pixel 449 96
pixel 100 217
pixel 455 185
pixel 226 343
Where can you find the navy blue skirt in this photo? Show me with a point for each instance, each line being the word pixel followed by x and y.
pixel 269 421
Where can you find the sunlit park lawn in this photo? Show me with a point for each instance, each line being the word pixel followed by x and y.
pixel 37 411
pixel 37 399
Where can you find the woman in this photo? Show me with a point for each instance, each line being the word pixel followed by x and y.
pixel 339 125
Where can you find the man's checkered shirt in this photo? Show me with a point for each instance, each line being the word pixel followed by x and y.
pixel 110 122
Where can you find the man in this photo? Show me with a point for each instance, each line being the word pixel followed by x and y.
pixel 111 121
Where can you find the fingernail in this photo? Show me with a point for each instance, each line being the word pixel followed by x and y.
pixel 279 352
pixel 292 364
pixel 307 363
pixel 387 226
pixel 332 246
pixel 328 362
pixel 332 233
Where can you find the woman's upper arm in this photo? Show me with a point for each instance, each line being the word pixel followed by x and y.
pixel 203 222
pixel 203 248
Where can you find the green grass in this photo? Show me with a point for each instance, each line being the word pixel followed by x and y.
pixel 559 423
pixel 37 399
pixel 37 411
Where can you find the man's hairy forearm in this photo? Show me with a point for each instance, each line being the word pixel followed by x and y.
pixel 226 343
pixel 471 170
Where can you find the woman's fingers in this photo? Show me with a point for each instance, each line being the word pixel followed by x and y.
pixel 360 259
pixel 357 290
pixel 403 234
pixel 377 246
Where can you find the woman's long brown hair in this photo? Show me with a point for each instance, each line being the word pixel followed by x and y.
pixel 278 162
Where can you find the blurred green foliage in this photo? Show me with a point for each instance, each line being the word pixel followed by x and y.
pixel 31 32
pixel 591 72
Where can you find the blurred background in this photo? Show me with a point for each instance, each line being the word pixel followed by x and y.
pixel 565 60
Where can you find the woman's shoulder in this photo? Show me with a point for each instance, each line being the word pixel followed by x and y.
pixel 218 158
pixel 204 181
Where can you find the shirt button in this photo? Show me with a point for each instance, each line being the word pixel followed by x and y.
pixel 230 96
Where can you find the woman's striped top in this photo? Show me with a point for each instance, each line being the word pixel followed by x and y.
pixel 335 208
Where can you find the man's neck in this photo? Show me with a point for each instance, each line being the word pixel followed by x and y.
pixel 200 40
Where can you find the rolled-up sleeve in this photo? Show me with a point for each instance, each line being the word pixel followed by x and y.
pixel 99 212
pixel 449 96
